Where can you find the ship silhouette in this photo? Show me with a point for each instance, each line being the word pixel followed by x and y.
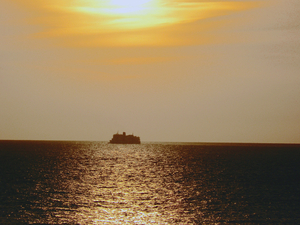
pixel 125 139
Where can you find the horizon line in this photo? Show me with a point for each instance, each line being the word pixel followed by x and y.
pixel 170 142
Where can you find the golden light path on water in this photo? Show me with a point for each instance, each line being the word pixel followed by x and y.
pixel 131 190
pixel 128 23
pixel 119 184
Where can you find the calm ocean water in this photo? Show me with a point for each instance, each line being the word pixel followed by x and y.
pixel 99 183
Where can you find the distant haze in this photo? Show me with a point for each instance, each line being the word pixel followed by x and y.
pixel 181 71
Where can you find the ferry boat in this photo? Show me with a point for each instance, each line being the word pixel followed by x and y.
pixel 125 139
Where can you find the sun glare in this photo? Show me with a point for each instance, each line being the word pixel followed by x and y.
pixel 125 7
pixel 129 3
pixel 128 22
pixel 118 6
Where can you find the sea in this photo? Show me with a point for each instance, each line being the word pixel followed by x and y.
pixel 69 182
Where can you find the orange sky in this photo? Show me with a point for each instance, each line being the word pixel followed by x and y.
pixel 116 23
pixel 185 70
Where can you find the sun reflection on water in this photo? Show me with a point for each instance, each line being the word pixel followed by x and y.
pixel 127 184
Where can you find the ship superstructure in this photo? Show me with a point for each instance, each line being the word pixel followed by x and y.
pixel 125 139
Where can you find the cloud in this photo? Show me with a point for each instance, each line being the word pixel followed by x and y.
pixel 97 23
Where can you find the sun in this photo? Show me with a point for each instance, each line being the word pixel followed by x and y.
pixel 121 7
pixel 130 6
pixel 129 3
pixel 123 15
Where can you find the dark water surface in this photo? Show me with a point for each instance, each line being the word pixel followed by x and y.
pixel 98 183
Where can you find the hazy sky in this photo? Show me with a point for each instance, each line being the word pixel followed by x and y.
pixel 180 70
